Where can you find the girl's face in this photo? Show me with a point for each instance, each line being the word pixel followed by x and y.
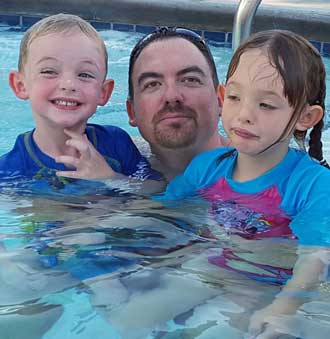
pixel 255 111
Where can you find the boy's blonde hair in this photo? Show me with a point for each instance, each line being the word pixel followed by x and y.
pixel 59 23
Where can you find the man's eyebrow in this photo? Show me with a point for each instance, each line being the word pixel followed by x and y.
pixel 146 75
pixel 191 69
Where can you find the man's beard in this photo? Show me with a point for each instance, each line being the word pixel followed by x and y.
pixel 177 134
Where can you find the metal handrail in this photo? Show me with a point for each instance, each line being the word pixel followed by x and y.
pixel 243 20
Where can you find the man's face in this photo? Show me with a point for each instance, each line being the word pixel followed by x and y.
pixel 175 103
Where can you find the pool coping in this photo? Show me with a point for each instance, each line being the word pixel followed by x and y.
pixel 201 15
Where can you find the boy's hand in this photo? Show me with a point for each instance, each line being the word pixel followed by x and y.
pixel 90 164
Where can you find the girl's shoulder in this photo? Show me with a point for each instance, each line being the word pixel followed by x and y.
pixel 307 176
pixel 308 167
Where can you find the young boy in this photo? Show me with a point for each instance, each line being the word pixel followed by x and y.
pixel 62 71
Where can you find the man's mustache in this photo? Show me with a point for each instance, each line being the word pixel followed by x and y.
pixel 178 108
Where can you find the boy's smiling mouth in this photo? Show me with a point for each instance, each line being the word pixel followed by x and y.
pixel 65 103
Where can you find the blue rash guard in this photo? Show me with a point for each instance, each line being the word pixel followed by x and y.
pixel 26 160
pixel 269 205
pixel 290 200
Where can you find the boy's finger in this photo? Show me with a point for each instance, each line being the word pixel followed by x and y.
pixel 80 145
pixel 68 160
pixel 68 174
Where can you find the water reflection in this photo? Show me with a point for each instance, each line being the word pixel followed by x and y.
pixel 136 269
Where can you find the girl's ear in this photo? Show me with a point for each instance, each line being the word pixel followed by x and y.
pixel 106 92
pixel 131 113
pixel 221 96
pixel 221 93
pixel 17 83
pixel 310 117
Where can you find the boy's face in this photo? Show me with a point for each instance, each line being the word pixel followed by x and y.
pixel 64 80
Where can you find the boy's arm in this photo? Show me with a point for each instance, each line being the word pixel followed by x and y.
pixel 91 165
pixel 308 273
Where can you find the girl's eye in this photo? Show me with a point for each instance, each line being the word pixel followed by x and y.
pixel 267 106
pixel 232 97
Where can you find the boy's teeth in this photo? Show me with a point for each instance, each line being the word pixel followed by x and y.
pixel 65 103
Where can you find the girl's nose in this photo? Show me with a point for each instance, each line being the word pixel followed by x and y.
pixel 246 114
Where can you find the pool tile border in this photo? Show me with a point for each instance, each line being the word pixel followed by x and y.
pixel 22 22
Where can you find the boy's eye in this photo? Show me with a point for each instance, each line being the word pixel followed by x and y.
pixel 86 75
pixel 267 106
pixel 48 71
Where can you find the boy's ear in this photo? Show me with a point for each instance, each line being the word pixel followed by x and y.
pixel 131 113
pixel 310 117
pixel 107 89
pixel 221 96
pixel 17 84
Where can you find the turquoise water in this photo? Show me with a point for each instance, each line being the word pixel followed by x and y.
pixel 121 266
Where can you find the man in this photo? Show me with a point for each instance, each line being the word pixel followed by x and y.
pixel 173 97
pixel 173 100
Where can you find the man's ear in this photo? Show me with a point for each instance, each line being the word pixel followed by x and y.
pixel 106 92
pixel 17 83
pixel 310 117
pixel 131 113
pixel 221 96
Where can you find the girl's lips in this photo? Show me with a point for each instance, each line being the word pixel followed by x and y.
pixel 243 133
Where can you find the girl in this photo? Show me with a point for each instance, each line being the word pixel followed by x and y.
pixel 261 187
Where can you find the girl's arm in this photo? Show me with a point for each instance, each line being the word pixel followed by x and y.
pixel 309 271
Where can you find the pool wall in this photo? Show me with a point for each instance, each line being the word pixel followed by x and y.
pixel 211 16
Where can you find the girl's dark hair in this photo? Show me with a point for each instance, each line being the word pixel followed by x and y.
pixel 302 71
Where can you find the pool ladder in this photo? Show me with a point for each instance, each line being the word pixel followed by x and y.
pixel 243 20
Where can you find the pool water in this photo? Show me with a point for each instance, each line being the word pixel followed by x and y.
pixel 122 266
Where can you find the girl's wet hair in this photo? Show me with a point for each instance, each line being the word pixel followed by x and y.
pixel 303 74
